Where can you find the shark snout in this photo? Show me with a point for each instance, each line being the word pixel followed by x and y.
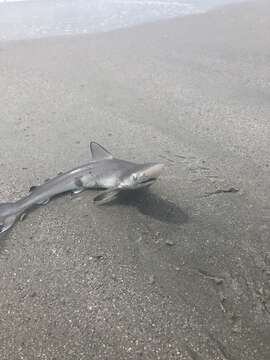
pixel 153 170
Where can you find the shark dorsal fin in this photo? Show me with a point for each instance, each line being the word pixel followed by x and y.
pixel 98 152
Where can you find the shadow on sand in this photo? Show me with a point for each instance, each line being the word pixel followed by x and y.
pixel 153 206
pixel 146 203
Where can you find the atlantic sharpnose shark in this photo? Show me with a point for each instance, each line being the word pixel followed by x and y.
pixel 103 171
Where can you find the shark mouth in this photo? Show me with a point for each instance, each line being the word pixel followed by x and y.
pixel 148 181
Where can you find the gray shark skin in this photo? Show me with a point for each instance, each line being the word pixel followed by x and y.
pixel 103 172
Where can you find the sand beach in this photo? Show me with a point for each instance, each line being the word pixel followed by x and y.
pixel 181 271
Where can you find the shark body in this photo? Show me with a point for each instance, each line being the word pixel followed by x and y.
pixel 103 172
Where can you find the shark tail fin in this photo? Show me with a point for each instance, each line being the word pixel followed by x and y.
pixel 7 218
pixel 106 196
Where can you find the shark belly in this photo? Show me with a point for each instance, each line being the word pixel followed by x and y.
pixel 108 182
pixel 104 183
pixel 88 181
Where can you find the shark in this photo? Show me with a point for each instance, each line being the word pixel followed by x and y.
pixel 104 171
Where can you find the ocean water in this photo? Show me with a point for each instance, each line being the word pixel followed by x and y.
pixel 25 19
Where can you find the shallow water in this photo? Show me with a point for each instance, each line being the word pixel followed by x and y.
pixel 43 18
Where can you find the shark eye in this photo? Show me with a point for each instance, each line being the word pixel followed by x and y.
pixel 135 177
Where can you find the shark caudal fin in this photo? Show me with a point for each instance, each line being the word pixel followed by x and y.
pixel 7 218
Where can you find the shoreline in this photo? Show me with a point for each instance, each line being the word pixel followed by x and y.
pixel 128 27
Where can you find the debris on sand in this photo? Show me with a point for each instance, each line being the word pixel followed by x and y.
pixel 217 280
pixel 222 191
pixel 169 242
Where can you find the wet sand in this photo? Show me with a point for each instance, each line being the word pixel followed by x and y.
pixel 177 272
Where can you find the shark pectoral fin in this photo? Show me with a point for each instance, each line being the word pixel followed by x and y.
pixel 106 196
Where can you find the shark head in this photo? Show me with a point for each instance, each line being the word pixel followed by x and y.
pixel 141 176
pixel 130 175
pixel 120 175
